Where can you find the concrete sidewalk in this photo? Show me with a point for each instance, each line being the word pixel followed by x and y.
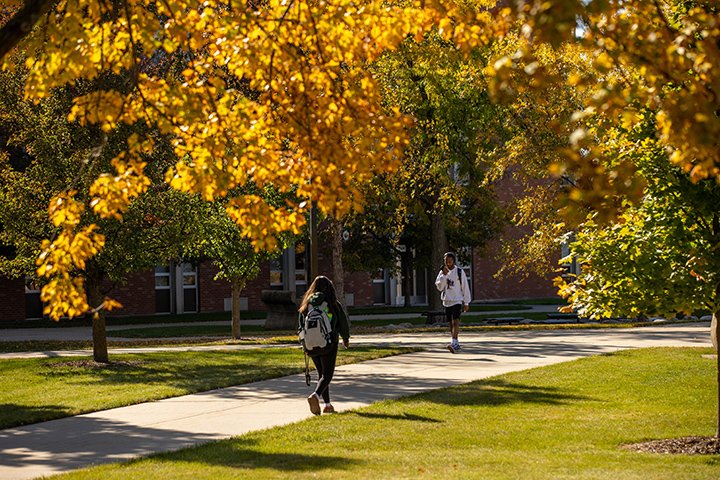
pixel 138 430
pixel 66 333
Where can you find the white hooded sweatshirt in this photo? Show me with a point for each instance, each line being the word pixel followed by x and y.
pixel 454 287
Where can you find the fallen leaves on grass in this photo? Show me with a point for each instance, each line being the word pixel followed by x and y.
pixel 94 365
pixel 684 446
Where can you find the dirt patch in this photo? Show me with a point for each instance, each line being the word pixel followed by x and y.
pixel 95 365
pixel 684 446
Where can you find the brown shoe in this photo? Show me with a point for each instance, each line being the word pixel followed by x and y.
pixel 314 402
pixel 451 348
pixel 329 409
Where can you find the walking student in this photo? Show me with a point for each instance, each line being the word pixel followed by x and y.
pixel 320 308
pixel 455 293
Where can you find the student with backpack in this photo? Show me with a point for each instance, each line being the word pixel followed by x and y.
pixel 455 294
pixel 322 322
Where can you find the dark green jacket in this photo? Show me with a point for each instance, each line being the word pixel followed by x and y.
pixel 338 318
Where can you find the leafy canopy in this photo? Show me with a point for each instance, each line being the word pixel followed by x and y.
pixel 270 93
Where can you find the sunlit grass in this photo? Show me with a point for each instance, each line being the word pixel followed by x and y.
pixel 565 421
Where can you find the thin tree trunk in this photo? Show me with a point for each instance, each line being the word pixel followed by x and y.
pixel 337 251
pixel 99 334
pixel 715 334
pixel 406 268
pixel 715 329
pixel 439 247
pixel 237 287
pixel 100 346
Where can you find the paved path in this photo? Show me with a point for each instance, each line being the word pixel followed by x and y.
pixel 128 432
pixel 85 333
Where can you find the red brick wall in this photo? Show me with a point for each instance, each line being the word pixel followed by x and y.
pixel 253 289
pixel 488 287
pixel 12 299
pixel 213 293
pixel 137 294
pixel 487 263
pixel 357 283
pixel 360 285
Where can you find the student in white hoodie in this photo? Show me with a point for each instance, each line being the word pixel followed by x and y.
pixel 455 294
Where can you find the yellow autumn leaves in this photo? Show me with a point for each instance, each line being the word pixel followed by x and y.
pixel 277 93
pixel 274 94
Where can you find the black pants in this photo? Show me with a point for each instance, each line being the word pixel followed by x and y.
pixel 325 365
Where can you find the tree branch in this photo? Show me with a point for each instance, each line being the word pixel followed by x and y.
pixel 22 23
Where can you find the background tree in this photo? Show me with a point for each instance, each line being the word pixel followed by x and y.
pixel 52 154
pixel 440 187
pixel 217 237
pixel 659 257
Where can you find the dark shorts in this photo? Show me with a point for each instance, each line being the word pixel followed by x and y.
pixel 453 312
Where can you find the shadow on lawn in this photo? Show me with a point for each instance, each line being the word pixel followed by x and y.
pixel 12 414
pixel 386 416
pixel 239 453
pixel 497 392
pixel 190 371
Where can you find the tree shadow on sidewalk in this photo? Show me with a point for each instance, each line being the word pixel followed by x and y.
pixel 76 442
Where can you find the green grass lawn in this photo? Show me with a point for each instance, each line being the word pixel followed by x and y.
pixel 566 421
pixel 35 390
pixel 274 338
pixel 133 320
pixel 195 330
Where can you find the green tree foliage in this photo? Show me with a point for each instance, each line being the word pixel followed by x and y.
pixel 218 238
pixel 438 196
pixel 51 155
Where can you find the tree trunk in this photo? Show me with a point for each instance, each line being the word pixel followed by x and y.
pixel 439 247
pixel 99 335
pixel 21 24
pixel 406 267
pixel 714 335
pixel 337 251
pixel 715 330
pixel 237 286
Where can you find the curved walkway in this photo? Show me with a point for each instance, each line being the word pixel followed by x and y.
pixel 128 432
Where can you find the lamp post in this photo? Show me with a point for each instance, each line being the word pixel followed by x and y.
pixel 313 267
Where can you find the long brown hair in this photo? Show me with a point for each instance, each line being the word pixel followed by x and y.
pixel 320 284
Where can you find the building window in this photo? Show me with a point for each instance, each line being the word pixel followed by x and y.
pixel 378 287
pixel 190 287
pixel 276 274
pixel 163 292
pixel 301 262
pixel 33 305
pixel 420 279
pixel 569 263
pixel 176 288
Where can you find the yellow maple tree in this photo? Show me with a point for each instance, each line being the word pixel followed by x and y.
pixel 270 92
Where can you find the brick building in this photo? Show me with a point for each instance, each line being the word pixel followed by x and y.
pixel 186 287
